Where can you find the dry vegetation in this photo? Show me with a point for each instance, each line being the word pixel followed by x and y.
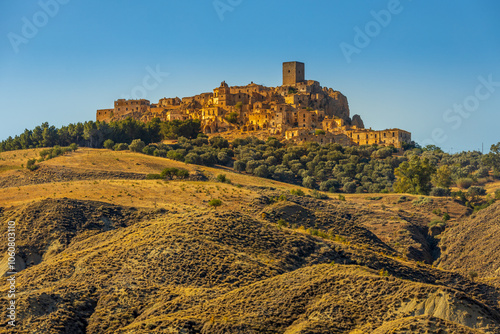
pixel 102 249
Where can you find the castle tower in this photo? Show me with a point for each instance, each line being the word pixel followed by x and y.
pixel 293 72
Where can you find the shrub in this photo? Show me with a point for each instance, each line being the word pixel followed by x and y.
pixel 440 192
pixel 422 201
pixel 297 192
pixel 137 145
pixel 175 155
pixel 31 164
pixel 459 195
pixel 120 147
pixel 192 158
pixel 341 197
pixel 465 183
pixel 318 195
pixel 261 171
pixel 483 172
pixel 174 172
pixel 497 194
pixel 309 182
pixel 222 178
pixel 182 173
pixel 474 192
pixel 239 165
pixel 350 187
pixel 149 150
pixel 73 147
pixel 108 143
pixel 446 217
pixel 153 177
pixel 215 203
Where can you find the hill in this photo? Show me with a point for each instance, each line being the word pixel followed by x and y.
pixel 103 249
pixel 472 245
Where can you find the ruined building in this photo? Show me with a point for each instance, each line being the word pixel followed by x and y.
pixel 298 110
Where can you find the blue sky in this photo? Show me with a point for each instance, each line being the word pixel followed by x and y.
pixel 428 67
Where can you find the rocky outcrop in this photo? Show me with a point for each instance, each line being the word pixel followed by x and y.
pixel 357 121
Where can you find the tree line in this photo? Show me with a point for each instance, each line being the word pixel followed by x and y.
pixel 93 134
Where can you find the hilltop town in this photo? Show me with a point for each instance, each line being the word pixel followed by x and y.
pixel 299 110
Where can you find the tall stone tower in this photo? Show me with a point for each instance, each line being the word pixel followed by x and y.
pixel 293 72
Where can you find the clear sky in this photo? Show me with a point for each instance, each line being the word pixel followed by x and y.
pixel 429 67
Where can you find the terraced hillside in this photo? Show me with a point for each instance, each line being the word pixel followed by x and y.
pixel 103 249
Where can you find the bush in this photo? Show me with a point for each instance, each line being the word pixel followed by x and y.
pixel 153 177
pixel 440 192
pixel 422 201
pixel 120 147
pixel 446 217
pixel 350 187
pixel 297 192
pixel 240 165
pixel 465 183
pixel 73 147
pixel 309 182
pixel 31 164
pixel 318 195
pixel 192 158
pixel 474 192
pixel 149 150
pixel 137 145
pixel 483 172
pixel 108 143
pixel 261 171
pixel 215 203
pixel 341 197
pixel 172 172
pixel 497 194
pixel 222 178
pixel 175 155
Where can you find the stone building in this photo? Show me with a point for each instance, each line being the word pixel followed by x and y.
pixel 292 111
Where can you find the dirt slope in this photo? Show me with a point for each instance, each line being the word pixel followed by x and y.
pixel 473 245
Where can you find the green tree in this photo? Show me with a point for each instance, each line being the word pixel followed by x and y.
pixel 261 171
pixel 108 143
pixel 414 176
pixel 137 145
pixel 492 159
pixel 442 178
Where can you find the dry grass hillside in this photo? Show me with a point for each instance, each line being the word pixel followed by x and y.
pixel 473 245
pixel 102 249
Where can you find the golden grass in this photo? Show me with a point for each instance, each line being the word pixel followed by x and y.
pixel 141 193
